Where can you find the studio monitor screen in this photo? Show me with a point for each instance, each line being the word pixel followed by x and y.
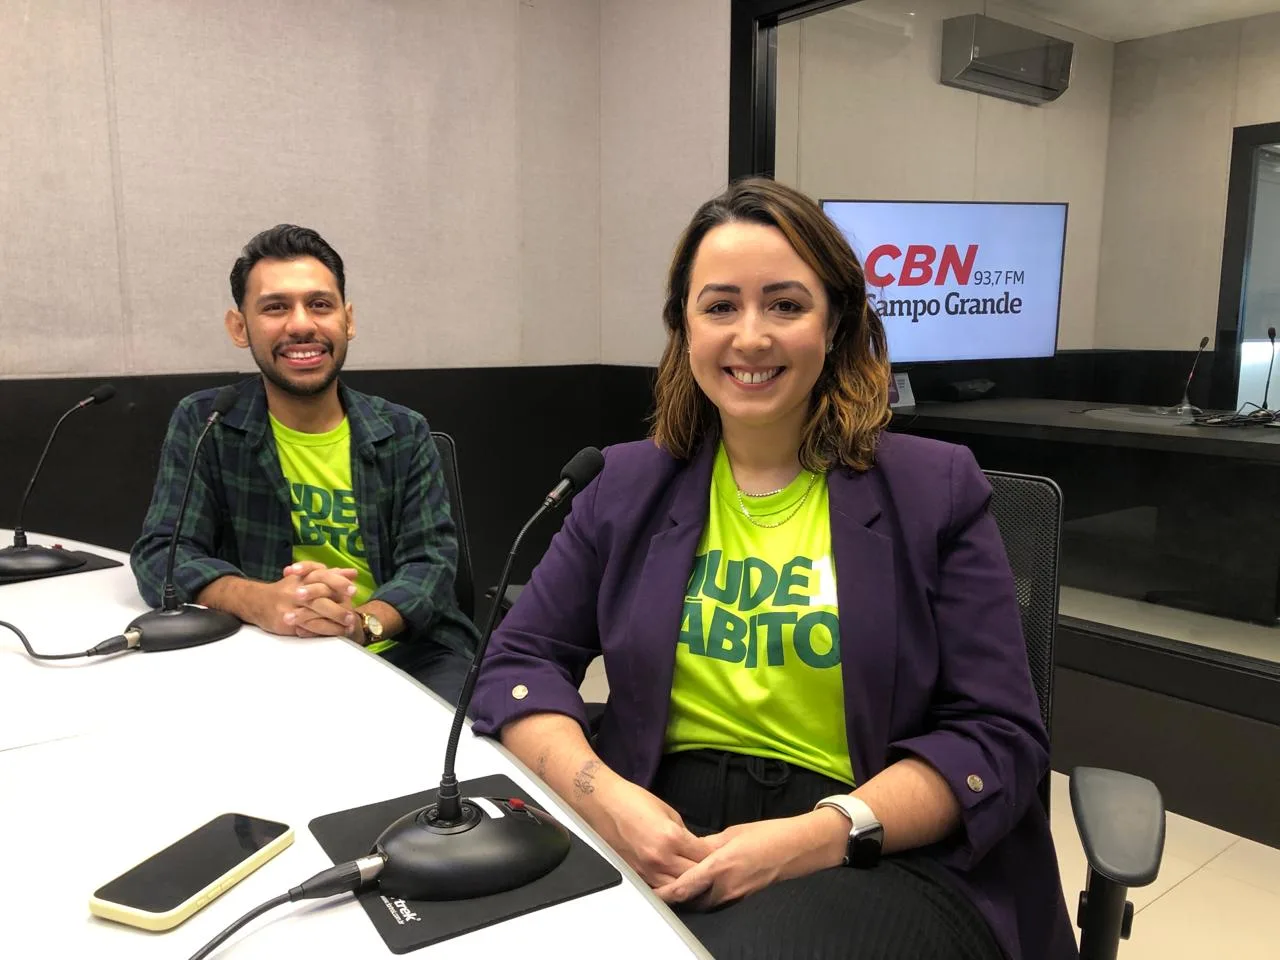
pixel 960 281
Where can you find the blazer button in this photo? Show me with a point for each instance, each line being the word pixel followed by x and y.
pixel 520 691
pixel 975 783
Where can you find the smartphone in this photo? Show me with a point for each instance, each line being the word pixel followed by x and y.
pixel 163 890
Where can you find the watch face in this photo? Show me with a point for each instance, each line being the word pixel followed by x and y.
pixel 864 847
pixel 372 625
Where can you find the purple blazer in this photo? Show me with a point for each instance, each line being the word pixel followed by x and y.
pixel 932 654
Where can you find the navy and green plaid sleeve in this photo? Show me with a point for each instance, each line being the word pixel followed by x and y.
pixel 424 551
pixel 197 563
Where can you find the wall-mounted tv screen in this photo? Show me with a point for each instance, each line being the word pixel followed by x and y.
pixel 960 280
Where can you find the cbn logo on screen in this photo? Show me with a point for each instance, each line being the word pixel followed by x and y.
pixel 918 264
pixel 918 269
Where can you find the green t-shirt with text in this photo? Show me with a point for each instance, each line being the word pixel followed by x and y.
pixel 758 657
pixel 326 527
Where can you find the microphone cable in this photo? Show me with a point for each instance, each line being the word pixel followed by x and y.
pixel 120 643
pixel 343 878
pixel 1258 415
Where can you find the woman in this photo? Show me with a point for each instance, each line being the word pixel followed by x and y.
pixel 821 738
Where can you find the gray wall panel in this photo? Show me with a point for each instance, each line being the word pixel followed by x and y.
pixel 60 305
pixel 389 127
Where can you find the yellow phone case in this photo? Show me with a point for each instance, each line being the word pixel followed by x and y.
pixel 146 920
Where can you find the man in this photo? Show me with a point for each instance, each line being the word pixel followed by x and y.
pixel 316 510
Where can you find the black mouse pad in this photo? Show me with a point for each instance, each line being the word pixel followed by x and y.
pixel 91 562
pixel 406 925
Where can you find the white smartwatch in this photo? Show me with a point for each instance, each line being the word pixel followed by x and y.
pixel 866 835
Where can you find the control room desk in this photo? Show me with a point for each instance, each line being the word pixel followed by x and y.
pixel 1156 509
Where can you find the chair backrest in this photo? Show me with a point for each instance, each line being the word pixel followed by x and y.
pixel 463 587
pixel 1028 511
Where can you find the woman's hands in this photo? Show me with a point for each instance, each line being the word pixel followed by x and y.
pixel 645 831
pixel 750 856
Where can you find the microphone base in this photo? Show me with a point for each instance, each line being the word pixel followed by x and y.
pixel 36 561
pixel 189 625
pixel 476 856
pixel 1183 409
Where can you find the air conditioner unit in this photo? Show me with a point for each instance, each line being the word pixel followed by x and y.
pixel 1001 60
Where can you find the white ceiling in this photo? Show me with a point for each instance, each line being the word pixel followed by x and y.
pixel 1130 19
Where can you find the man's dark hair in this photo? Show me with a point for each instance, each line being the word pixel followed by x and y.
pixel 285 242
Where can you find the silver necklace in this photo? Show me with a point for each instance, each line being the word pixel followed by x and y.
pixel 742 503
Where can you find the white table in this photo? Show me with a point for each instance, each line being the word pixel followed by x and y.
pixel 105 761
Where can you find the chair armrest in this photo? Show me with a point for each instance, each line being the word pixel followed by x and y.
pixel 595 713
pixel 1120 818
pixel 509 597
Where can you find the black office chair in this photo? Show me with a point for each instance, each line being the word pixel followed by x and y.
pixel 462 584
pixel 1120 817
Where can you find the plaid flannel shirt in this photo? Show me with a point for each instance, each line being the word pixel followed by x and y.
pixel 240 522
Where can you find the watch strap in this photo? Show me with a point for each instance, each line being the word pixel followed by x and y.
pixel 866 834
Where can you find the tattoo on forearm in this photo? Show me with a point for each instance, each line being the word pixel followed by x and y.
pixel 584 781
pixel 541 766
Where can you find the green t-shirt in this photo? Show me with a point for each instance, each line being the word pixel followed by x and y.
pixel 326 527
pixel 758 659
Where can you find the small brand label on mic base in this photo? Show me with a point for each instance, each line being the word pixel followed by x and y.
pixel 401 911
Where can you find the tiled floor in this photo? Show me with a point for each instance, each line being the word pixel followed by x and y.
pixel 1217 895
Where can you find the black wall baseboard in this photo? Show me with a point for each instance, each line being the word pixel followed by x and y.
pixel 515 427
pixel 626 402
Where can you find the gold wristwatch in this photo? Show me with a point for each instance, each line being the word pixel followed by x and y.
pixel 372 628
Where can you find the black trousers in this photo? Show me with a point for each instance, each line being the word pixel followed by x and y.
pixel 903 909
pixel 433 665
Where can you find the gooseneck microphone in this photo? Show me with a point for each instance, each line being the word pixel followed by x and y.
pixel 455 848
pixel 177 625
pixel 24 560
pixel 1186 408
pixel 473 847
pixel 574 475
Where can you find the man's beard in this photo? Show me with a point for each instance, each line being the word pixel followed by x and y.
pixel 281 380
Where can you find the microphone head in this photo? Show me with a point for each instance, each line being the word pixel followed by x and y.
pixel 1204 342
pixel 1271 334
pixel 584 466
pixel 102 393
pixel 225 399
